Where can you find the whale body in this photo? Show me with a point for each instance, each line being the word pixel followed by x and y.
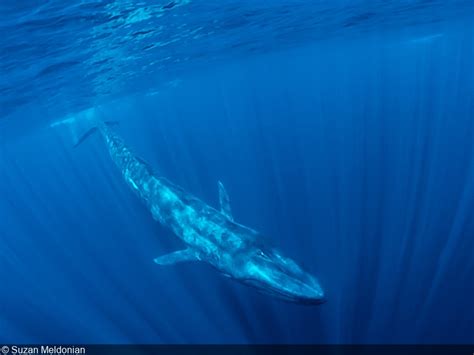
pixel 210 235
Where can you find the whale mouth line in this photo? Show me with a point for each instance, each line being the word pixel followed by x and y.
pixel 292 298
pixel 286 296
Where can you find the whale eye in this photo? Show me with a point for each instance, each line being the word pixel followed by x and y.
pixel 263 255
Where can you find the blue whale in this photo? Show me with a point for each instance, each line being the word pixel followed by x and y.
pixel 210 235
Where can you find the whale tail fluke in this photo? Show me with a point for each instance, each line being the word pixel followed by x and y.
pixel 82 125
pixel 92 130
pixel 86 135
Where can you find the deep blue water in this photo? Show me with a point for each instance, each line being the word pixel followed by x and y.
pixel 343 131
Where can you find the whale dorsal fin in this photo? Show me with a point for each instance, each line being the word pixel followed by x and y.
pixel 177 257
pixel 224 201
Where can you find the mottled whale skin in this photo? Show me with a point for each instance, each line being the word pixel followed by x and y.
pixel 212 235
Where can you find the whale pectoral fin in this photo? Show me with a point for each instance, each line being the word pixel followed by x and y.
pixel 224 201
pixel 176 257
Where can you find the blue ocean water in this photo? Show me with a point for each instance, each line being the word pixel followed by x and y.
pixel 343 131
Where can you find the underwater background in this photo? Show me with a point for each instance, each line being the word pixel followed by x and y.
pixel 343 131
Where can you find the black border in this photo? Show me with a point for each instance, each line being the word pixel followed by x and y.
pixel 265 349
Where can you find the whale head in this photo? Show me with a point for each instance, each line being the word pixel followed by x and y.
pixel 272 273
